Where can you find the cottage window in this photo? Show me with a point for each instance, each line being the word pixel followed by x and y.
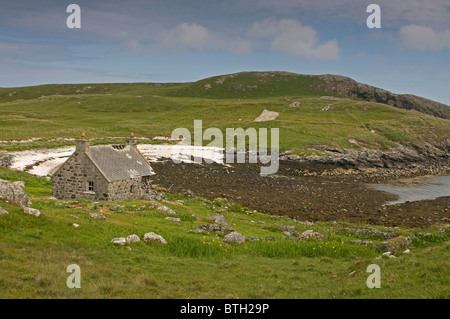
pixel 90 186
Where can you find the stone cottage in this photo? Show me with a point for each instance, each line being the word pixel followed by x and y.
pixel 113 172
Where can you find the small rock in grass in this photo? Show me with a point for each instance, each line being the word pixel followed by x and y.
pixel 234 237
pixel 173 219
pixel 32 211
pixel 96 216
pixel 120 240
pixel 166 209
pixel 75 225
pixel 3 211
pixel 133 239
pixel 154 237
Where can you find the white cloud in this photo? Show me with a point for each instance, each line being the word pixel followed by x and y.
pixel 187 36
pixel 424 38
pixel 289 36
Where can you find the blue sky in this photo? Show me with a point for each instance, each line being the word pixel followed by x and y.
pixel 187 40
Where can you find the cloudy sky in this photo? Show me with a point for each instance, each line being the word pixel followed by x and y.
pixel 187 40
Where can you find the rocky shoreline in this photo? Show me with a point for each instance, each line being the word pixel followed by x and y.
pixel 322 188
pixel 374 165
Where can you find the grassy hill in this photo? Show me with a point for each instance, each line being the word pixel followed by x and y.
pixel 308 115
pixel 35 253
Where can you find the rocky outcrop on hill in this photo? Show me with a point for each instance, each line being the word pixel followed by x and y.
pixel 350 88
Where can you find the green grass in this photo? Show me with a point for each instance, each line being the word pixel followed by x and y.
pixel 35 252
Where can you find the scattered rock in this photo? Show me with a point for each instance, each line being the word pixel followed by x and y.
pixel 328 107
pixel 120 240
pixel 3 211
pixel 75 225
pixel 331 98
pixel 173 219
pixel 252 238
pixel 363 243
pixel 234 237
pixel 295 104
pixel 32 211
pixel 407 251
pixel 220 219
pixel 166 209
pixel 396 243
pixel 310 234
pixel 133 239
pixel 210 228
pixel 369 232
pixel 154 237
pixel 288 230
pixel 97 216
pixel 14 193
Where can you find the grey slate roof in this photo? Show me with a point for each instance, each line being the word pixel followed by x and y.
pixel 119 162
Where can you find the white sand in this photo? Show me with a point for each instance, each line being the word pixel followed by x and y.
pixel 46 161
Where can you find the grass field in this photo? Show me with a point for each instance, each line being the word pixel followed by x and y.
pixel 35 252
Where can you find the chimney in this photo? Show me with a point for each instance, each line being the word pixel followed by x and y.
pixel 82 144
pixel 132 141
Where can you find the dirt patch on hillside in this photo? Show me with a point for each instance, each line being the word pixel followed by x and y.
pixel 307 198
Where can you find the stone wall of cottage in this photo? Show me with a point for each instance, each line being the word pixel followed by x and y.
pixel 125 189
pixel 70 181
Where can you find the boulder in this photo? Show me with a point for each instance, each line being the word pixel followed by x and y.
pixel 310 234
pixel 220 219
pixel 3 212
pixel 234 237
pixel 32 211
pixel 133 239
pixel 154 237
pixel 14 193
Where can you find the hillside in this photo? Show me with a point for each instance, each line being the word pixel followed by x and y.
pixel 313 111
pixel 265 84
